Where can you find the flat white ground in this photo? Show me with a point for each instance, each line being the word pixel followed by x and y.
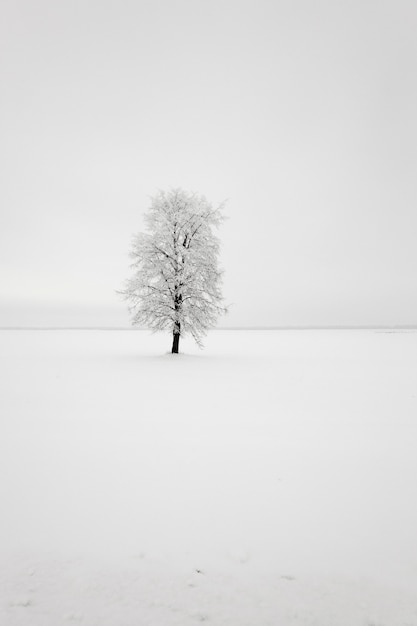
pixel 268 480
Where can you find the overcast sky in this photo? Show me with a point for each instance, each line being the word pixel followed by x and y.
pixel 302 113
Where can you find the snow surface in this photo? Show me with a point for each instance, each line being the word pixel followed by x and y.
pixel 268 480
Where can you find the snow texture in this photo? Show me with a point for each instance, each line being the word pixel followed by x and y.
pixel 269 480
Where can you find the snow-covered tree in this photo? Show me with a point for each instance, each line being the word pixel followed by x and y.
pixel 176 281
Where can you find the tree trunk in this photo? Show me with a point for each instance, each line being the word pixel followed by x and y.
pixel 177 323
pixel 176 338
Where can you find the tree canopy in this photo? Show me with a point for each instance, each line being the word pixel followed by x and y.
pixel 176 282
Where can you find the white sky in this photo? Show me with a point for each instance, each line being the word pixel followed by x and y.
pixel 302 113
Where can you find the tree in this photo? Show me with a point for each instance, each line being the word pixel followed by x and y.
pixel 176 280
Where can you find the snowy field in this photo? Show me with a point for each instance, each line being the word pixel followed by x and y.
pixel 270 479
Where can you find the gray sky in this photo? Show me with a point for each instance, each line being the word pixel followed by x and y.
pixel 301 113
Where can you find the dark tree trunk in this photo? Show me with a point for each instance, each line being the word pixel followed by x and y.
pixel 177 324
pixel 176 339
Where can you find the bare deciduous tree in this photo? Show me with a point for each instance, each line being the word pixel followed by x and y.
pixel 176 281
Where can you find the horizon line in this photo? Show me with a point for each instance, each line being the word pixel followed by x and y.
pixel 222 328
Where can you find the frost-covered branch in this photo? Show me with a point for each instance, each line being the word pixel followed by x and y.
pixel 176 281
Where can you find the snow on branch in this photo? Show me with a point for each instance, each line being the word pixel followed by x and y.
pixel 176 282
